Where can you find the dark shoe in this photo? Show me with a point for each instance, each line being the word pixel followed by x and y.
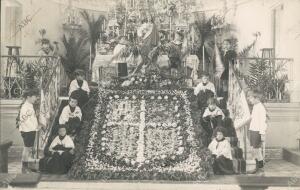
pixel 260 164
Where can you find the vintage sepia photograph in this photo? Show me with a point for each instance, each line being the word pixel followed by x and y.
pixel 150 94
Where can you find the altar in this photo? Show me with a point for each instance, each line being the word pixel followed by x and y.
pixel 103 68
pixel 100 62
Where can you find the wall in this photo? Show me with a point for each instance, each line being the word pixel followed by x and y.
pixel 256 16
pixel 48 16
pixel 8 114
pixel 283 125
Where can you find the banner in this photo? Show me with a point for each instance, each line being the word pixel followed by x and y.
pixel 44 114
pixel 219 64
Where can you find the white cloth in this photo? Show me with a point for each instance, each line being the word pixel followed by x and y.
pixel 215 112
pixel 220 148
pixel 200 87
pixel 74 86
pixel 258 119
pixel 67 142
pixel 117 55
pixel 28 119
pixel 66 114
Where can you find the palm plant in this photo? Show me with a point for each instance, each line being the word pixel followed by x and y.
pixel 267 78
pixel 76 56
pixel 92 34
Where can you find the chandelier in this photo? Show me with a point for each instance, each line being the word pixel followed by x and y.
pixel 72 20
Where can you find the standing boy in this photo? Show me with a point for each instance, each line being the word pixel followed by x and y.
pixel 28 126
pixel 258 127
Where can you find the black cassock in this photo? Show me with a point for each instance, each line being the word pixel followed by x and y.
pixel 57 163
pixel 82 95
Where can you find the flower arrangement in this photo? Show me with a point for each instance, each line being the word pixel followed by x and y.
pixel 143 134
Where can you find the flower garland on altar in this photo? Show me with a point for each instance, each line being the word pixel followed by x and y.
pixel 132 143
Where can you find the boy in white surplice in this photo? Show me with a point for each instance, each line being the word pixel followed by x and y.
pixel 71 115
pixel 80 86
pixel 61 150
pixel 212 118
pixel 204 90
pixel 221 151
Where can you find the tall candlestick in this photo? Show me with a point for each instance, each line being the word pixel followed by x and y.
pixel 203 57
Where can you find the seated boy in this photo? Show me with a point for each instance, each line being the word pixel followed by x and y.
pixel 61 154
pixel 212 117
pixel 71 115
pixel 221 151
pixel 204 90
pixel 80 86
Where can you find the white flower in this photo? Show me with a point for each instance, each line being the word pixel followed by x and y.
pixel 126 98
pixel 180 150
pixel 132 79
pixel 134 97
pixel 104 126
pixel 169 82
pixel 133 162
pixel 166 97
pixel 159 97
pixel 141 79
pixel 110 97
pixel 103 144
pixel 103 148
pixel 152 97
pixel 147 161
pixel 126 83
pixel 116 96
pixel 163 156
pixel 176 108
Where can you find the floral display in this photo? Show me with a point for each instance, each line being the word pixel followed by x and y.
pixel 143 134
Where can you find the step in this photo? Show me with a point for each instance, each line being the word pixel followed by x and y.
pixel 15 153
pixel 292 156
pixel 274 153
pixel 250 166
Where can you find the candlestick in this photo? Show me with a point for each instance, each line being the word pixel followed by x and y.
pixel 203 57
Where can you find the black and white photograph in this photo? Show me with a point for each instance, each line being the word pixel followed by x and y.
pixel 150 94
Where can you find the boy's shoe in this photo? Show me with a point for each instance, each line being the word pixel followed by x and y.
pixel 260 164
